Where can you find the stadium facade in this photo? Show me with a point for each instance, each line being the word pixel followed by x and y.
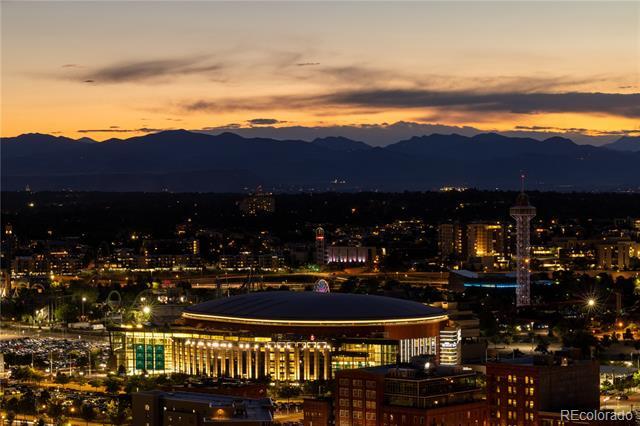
pixel 287 336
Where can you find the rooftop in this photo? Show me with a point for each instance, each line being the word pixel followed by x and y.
pixel 311 306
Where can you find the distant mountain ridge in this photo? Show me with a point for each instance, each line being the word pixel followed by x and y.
pixel 625 143
pixel 184 161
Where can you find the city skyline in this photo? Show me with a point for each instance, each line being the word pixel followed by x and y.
pixel 123 69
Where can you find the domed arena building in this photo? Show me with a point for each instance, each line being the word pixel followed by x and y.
pixel 288 336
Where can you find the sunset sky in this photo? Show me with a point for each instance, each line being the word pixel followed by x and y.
pixel 120 69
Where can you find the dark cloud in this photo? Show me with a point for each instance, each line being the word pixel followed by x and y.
pixel 548 128
pixel 626 105
pixel 478 103
pixel 117 129
pixel 264 121
pixel 72 66
pixel 307 64
pixel 226 127
pixel 151 70
pixel 89 81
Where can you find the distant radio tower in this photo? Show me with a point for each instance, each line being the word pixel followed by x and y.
pixel 320 251
pixel 523 212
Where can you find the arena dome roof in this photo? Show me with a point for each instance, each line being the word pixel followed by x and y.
pixel 307 306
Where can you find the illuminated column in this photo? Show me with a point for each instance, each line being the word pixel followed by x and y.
pixel 177 356
pixel 267 363
pixel 306 362
pixel 316 363
pixel 197 353
pixel 241 366
pixel 287 362
pixel 215 362
pixel 183 357
pixel 207 360
pixel 256 370
pixel 326 374
pixel 188 358
pixel 276 358
pixel 296 361
pixel 223 362
pixel 234 360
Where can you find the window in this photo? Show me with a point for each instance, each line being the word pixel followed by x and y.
pixel 357 403
pixel 371 384
pixel 371 405
pixel 371 394
pixel 344 392
pixel 357 382
pixel 370 416
pixel 344 402
pixel 344 382
pixel 357 393
pixel 357 414
pixel 344 413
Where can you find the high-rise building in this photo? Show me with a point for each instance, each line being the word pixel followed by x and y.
pixel 617 254
pixel 258 203
pixel 485 239
pixel 523 212
pixel 321 254
pixel 451 240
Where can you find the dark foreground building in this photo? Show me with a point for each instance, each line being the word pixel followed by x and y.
pixel 409 395
pixel 534 391
pixel 157 408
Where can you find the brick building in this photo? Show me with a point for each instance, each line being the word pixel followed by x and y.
pixel 409 395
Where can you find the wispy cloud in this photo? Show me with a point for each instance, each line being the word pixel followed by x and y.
pixel 117 129
pixel 264 121
pixel 139 71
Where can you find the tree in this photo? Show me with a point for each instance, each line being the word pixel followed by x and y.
pixel 96 383
pixel 11 416
pixel 44 397
pixel 543 345
pixel 87 412
pixel 112 385
pixel 62 378
pixel 288 392
pixel 55 410
pixel 27 402
pixel 117 413
pixel 122 371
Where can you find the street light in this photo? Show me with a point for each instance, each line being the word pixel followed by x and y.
pixel 146 310
pixel 84 299
pixel 591 303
